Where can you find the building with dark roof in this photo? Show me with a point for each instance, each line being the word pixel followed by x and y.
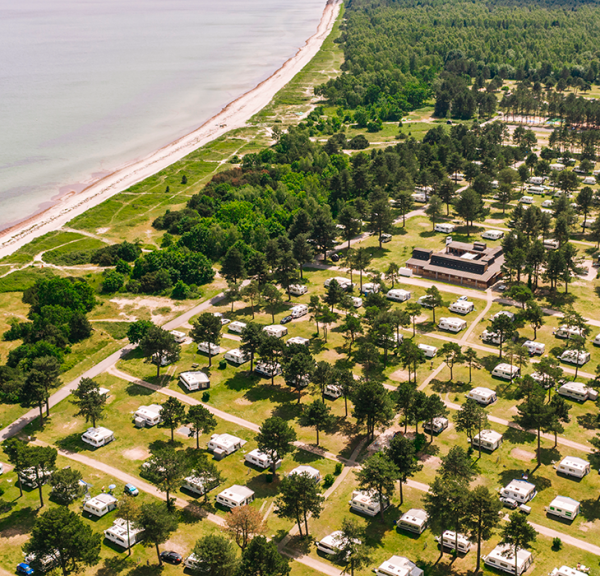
pixel 474 265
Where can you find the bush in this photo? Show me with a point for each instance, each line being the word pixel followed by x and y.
pixel 222 364
pixel 206 397
pixel 419 441
pixel 338 468
pixel 358 143
pixel 556 544
pixel 328 480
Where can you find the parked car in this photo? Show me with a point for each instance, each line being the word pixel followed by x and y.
pixel 131 490
pixel 286 319
pixel 171 557
pixel 509 502
pixel 385 238
pixel 23 568
pixel 501 287
pixel 335 257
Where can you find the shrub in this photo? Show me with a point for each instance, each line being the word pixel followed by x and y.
pixel 328 480
pixel 222 364
pixel 338 468
pixel 206 397
pixel 556 543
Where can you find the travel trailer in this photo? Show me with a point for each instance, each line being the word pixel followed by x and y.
pixel 367 502
pixel 557 166
pixel 275 330
pixel 542 379
pixel 343 282
pixel 398 566
pixel 98 436
pixel 299 311
pixel 237 327
pixel 493 234
pixel 537 180
pixel 519 490
pixel 462 307
pixel 370 288
pixel 235 496
pixel 452 540
pixel 506 371
pixel 550 244
pixel 567 332
pixel 535 347
pixel 502 557
pixel 490 440
pixel 298 289
pixel 503 313
pixel 590 180
pixel 490 337
pixel 596 341
pixel 28 477
pixel 179 336
pixel 429 351
pixel 578 391
pixel 425 301
pixel 536 190
pixel 398 295
pixel 579 357
pixel 415 520
pixel 257 458
pixel 100 505
pixel 439 425
pixel 209 348
pixel 566 571
pixel 298 340
pixel 312 472
pixel 526 200
pixel 495 184
pixel 119 534
pixel 563 507
pixel 195 380
pixel 333 391
pixel 547 203
pixel 357 301
pixel 483 396
pixel 422 198
pixel 573 466
pixel 452 324
pixel 195 484
pixel 445 228
pixel 147 416
pixel 331 544
pixel 267 370
pixel 224 444
pixel 406 272
pixel 236 356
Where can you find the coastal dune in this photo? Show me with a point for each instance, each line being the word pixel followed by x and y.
pixel 234 115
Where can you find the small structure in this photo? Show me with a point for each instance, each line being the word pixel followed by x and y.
pixel 573 466
pixel 483 396
pixel 357 301
pixel 566 571
pixel 526 200
pixel 331 543
pixel 503 313
pixel 370 288
pixel 117 533
pixel 333 391
pixel 452 324
pixel 236 356
pixel 343 282
pixel 398 295
pixel 445 228
pixel 519 490
pixel 590 180
pixel 567 332
pixel 564 507
pixel 298 340
pixel 502 557
pixel 267 370
pixel 506 371
pixel 406 272
pixel 398 566
pixel 491 337
pixel 429 351
pixel 192 563
pixel 147 416
pixel 100 505
pixel 452 540
pixel 179 336
pixel 439 425
pixel 224 444
pixel 578 391
pixel 367 502
pixel 579 357
pixel 98 436
pixel 195 380
pixel 557 166
pixel 28 477
pixel 299 311
pixel 312 472
pixel 275 330
pixel 237 327
pixel 415 520
pixel 298 289
pixel 209 348
pixel 461 307
pixel 493 234
pixel 489 440
pixel 261 460
pixel 235 496
pixel 196 485
pixel 550 244
pixel 535 347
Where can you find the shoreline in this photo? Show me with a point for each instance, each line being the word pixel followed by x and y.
pixel 234 115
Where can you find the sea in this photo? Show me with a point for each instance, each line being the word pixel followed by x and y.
pixel 87 86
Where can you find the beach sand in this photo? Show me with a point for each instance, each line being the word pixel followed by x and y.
pixel 234 115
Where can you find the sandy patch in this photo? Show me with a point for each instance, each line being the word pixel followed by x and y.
pixel 13 537
pixel 136 454
pixel 513 410
pixel 431 461
pixel 70 425
pixel 424 225
pixel 243 401
pixel 523 455
pixel 399 375
pixel 151 302
pixel 585 526
pixel 102 230
pixel 176 546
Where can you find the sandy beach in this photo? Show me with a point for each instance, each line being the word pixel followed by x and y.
pixel 234 115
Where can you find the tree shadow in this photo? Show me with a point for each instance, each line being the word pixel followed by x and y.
pixel 146 570
pixel 541 482
pixel 449 387
pixel 74 444
pixel 560 299
pixel 589 421
pixel 133 389
pixel 549 455
pixel 517 436
pixel 590 509
pixel 160 444
pixel 490 362
pixel 195 512
pixel 427 234
pixel 114 565
pixel 19 522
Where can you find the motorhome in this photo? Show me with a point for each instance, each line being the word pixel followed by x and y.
pixel 578 391
pixel 298 289
pixel 534 347
pixel 489 440
pixel 502 557
pixel 237 327
pixel 147 416
pixel 567 332
pixel 526 200
pixel 100 505
pixel 439 425
pixel 579 357
pixel 309 470
pixel 98 436
pixel 503 313
pixel 445 228
pixel 429 351
pixel 463 307
pixel 370 288
pixel 333 391
pixel 208 348
pixel 506 371
pixel 563 507
pixel 550 244
pixel 298 340
pixel 483 396
pixel 491 337
pixel 275 330
pixel 357 301
pixel 343 282
pixel 179 336
pixel 452 540
pixel 398 566
pixel 194 380
pixel 452 324
pixel 573 466
pixel 267 370
pixel 493 234
pixel 299 311
pixel 367 502
pixel 415 520
pixel 224 444
pixel 398 295
pixel 236 356
pixel 195 484
pixel 519 490
pixel 122 535
pixel 235 496
pixel 261 460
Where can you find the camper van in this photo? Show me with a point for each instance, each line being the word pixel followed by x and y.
pixel 398 566
pixel 267 370
pixel 208 348
pixel 147 416
pixel 551 244
pixel 196 485
pixel 452 324
pixel 462 307
pixel 275 330
pixel 415 520
pixel 398 295
pixel 100 505
pixel 579 357
pixel 493 234
pixel 298 289
pixel 179 336
pixel 237 327
pixel 578 391
pixel 452 540
pixel 534 347
pixel 483 396
pixel 445 228
pixel 567 332
pixel 491 337
pixel 309 471
pixel 194 380
pixel 257 458
pixel 98 436
pixel 489 440
pixel 506 371
pixel 519 490
pixel 439 425
pixel 573 466
pixel 224 444
pixel 236 356
pixel 235 496
pixel 429 351
pixel 299 311
pixel 526 200
pixel 343 282
pixel 333 391
pixel 367 502
pixel 122 535
pixel 502 557
pixel 564 507
pixel 298 340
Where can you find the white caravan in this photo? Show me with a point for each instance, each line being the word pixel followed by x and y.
pixel 526 200
pixel 398 566
pixel 452 324
pixel 367 502
pixel 179 336
pixel 209 348
pixel 506 371
pixel 502 557
pixel 398 295
pixel 148 416
pixel 596 341
pixel 98 436
pixel 564 507
pixel 235 496
pixel 275 330
pixel 566 571
pixel 196 485
pixel 573 466
pixel 267 370
pixel 194 380
pixel 519 490
pixel 298 289
pixel 332 543
pixel 578 391
pixel 308 470
pixel 299 311
pixel 567 332
pixel 489 440
pixel 579 357
pixel 429 351
pixel 237 327
pixel 343 282
pixel 452 540
pixel 333 391
pixel 503 313
pixel 439 425
pixel 550 244
pixel 298 340
pixel 236 356
pixel 261 460
pixel 493 234
pixel 415 520
pixel 445 228
pixel 461 307
pixel 370 288
pixel 223 444
pixel 535 347
pixel 100 505
pixel 120 535
pixel 483 396
pixel 491 337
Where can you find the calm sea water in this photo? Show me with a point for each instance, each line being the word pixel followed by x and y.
pixel 88 85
